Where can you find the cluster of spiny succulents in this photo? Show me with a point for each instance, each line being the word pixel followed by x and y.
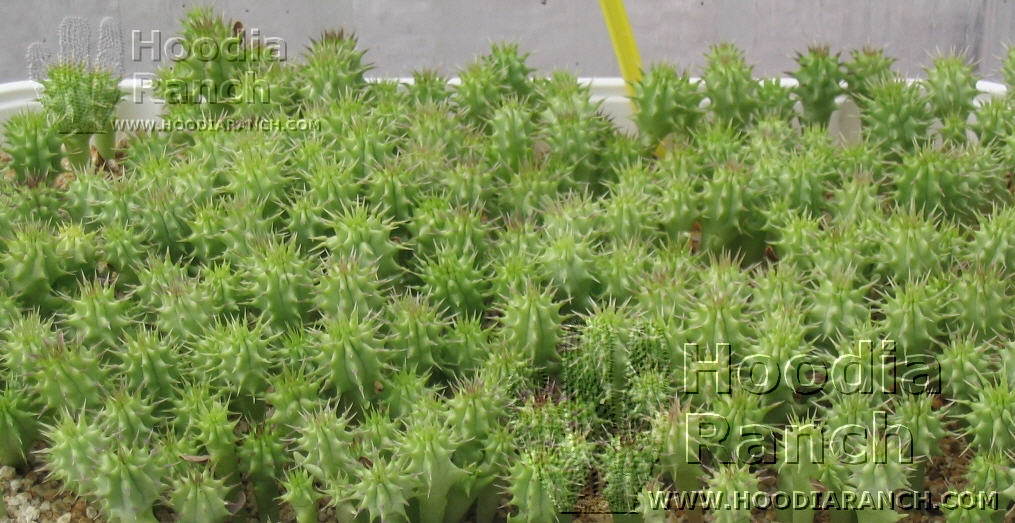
pixel 465 301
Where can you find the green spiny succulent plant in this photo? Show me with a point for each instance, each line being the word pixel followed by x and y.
pixel 628 464
pixel 666 103
pixel 34 148
pixel 511 137
pixel 279 279
pixel 951 87
pixel 543 481
pixel 965 367
pixel 729 85
pixel 573 128
pixel 926 429
pixel 914 246
pixel 262 459
pixel 989 416
pixel 75 444
pixel 599 370
pixel 415 329
pixel 99 317
pixel 895 117
pixel 867 67
pixel 301 494
pixel 148 364
pixel 454 282
pixel 128 482
pixel 334 68
pixel 349 355
pixel 819 74
pixel 347 284
pixel 733 480
pixel 994 121
pixel 199 496
pixel 19 422
pixel 361 231
pixel 531 322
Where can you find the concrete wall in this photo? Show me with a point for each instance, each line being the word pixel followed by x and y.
pixel 403 35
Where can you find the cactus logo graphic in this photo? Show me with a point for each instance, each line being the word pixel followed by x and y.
pixel 77 45
pixel 80 85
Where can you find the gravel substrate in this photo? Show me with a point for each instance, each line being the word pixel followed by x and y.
pixel 31 498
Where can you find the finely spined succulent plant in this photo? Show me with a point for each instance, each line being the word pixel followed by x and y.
pixel 819 73
pixel 573 128
pixel 213 57
pixel 599 369
pixel 544 481
pixel 454 282
pixel 359 230
pixel 279 279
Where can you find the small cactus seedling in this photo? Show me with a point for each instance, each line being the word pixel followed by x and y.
pixel 733 480
pixel 34 148
pixel 99 317
pixel 819 74
pixel 18 425
pixel 729 85
pixel 262 459
pixel 867 67
pixel 74 450
pixel 199 496
pixel 666 103
pixel 543 482
pixel 951 87
pixel 348 355
pixel 301 494
pixel 599 369
pixel 990 416
pixel 128 482
pixel 334 69
pixel 627 464
pixel 895 117
pixel 531 322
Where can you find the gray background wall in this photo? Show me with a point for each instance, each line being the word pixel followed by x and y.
pixel 403 35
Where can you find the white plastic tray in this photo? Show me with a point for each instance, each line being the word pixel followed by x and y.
pixel 139 102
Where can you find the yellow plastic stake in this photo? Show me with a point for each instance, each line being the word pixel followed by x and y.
pixel 625 47
pixel 623 41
